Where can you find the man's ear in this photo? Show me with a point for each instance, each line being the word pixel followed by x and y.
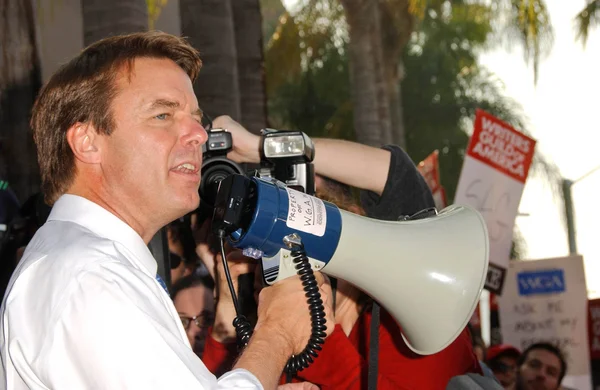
pixel 83 140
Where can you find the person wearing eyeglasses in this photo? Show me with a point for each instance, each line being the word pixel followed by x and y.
pixel 502 360
pixel 194 300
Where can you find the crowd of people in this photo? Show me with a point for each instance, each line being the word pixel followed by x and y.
pixel 119 138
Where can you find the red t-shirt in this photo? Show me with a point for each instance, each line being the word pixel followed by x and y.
pixel 342 364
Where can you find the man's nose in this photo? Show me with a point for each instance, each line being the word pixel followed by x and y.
pixel 195 134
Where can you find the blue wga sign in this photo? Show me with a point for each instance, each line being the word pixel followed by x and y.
pixel 548 281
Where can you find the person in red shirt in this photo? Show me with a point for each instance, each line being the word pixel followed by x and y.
pixel 391 187
pixel 343 362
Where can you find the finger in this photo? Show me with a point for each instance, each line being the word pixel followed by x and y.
pixel 320 278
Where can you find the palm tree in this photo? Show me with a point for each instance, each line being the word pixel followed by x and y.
pixel 209 26
pixel 588 18
pixel 443 86
pixel 247 22
pixel 103 18
pixel 20 80
pixel 379 31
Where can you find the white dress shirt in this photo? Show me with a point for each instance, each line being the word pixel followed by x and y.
pixel 84 310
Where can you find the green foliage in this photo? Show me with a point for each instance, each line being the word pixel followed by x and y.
pixel 588 18
pixel 530 20
pixel 307 73
pixel 442 87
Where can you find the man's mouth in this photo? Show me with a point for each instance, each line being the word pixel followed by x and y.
pixel 189 168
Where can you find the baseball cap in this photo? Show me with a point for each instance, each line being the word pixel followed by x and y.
pixel 496 350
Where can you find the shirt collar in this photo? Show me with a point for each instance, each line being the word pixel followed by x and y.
pixel 79 210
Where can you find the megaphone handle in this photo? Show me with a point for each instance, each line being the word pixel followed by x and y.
pixel 317 312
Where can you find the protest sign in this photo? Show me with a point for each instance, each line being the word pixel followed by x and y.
pixel 546 301
pixel 492 181
pixel 430 169
pixel 594 336
pixel 594 327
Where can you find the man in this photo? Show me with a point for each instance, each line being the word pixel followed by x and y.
pixel 119 146
pixel 541 366
pixel 502 360
pixel 195 303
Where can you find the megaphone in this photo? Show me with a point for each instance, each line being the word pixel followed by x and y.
pixel 427 273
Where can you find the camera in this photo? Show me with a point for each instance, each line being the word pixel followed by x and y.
pixel 215 164
pixel 285 156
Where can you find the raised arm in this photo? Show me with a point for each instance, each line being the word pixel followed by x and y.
pixel 357 165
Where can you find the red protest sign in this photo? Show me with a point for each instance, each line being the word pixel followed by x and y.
pixel 430 170
pixel 499 145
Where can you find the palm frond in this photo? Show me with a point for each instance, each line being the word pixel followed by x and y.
pixel 586 19
pixel 531 20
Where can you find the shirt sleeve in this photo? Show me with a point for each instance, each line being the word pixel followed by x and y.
pixel 109 335
pixel 405 191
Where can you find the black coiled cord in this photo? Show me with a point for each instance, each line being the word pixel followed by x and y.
pixel 317 313
pixel 244 330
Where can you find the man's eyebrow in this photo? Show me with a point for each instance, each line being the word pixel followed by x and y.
pixel 164 103
pixel 198 112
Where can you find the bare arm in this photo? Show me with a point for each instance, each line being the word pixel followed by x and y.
pixel 357 165
pixel 354 164
pixel 266 356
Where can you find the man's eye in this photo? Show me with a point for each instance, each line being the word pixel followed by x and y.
pixel 162 116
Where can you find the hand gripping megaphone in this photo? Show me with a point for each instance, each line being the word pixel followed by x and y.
pixel 427 273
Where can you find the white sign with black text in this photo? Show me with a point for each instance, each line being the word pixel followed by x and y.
pixel 492 180
pixel 546 300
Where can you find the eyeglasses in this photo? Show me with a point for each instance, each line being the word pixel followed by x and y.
pixel 498 366
pixel 202 320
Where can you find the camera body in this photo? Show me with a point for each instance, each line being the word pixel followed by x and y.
pixel 285 155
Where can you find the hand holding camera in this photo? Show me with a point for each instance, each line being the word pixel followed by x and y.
pixel 246 148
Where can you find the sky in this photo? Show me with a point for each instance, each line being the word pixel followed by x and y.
pixel 562 110
pixel 563 113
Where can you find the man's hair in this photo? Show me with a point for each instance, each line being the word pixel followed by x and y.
pixel 550 348
pixel 82 91
pixel 190 281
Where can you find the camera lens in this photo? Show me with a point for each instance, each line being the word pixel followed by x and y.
pixel 213 171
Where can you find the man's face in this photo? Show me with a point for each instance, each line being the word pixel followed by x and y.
pixel 505 370
pixel 540 371
pixel 151 161
pixel 196 302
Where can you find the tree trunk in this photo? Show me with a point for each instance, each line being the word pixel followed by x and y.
pixel 20 81
pixel 247 21
pixel 104 18
pixel 208 24
pixel 371 110
pixel 397 24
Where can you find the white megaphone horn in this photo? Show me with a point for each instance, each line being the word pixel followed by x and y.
pixel 427 273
